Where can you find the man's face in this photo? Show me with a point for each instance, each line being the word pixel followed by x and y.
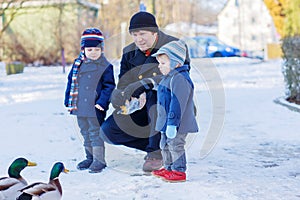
pixel 144 40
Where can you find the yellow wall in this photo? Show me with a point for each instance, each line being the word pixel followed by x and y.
pixel 274 51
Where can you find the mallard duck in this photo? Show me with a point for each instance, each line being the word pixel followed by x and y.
pixel 51 190
pixel 10 186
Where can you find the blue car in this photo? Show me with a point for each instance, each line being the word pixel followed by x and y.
pixel 209 46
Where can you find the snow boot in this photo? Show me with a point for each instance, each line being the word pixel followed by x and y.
pixel 85 164
pixel 174 177
pixel 160 173
pixel 152 164
pixel 153 161
pixel 98 163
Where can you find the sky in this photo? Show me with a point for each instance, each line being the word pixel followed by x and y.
pixel 248 146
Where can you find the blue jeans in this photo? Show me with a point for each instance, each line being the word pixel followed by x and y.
pixel 89 129
pixel 173 152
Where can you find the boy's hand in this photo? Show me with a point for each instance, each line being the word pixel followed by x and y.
pixel 99 107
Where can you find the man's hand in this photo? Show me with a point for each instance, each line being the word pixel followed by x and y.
pixel 137 88
pixel 117 98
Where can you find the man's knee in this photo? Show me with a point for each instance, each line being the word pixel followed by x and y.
pixel 103 133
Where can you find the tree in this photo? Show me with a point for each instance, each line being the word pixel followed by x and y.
pixel 4 6
pixel 277 11
pixel 291 50
pixel 4 22
pixel 292 21
pixel 41 30
pixel 286 18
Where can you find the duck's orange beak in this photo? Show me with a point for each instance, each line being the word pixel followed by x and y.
pixel 31 163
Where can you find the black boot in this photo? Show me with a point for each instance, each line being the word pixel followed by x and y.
pixel 85 164
pixel 98 160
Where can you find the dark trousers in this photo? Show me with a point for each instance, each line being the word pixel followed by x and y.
pixel 136 130
pixel 89 129
pixel 100 115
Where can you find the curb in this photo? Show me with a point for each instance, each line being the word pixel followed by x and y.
pixel 291 106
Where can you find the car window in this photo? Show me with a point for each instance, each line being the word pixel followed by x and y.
pixel 201 41
pixel 213 43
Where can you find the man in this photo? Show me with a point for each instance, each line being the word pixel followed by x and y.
pixel 138 73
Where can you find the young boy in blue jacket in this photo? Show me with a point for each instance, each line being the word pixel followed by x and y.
pixel 176 117
pixel 90 84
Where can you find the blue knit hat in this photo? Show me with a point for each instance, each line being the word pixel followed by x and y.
pixel 92 37
pixel 175 50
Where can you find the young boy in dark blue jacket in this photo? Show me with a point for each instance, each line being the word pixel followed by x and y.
pixel 90 84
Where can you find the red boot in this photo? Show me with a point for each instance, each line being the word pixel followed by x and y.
pixel 174 176
pixel 160 173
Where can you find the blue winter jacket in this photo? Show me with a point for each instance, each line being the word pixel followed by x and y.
pixel 175 102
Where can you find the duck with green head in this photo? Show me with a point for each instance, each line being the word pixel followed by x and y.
pixel 42 191
pixel 10 186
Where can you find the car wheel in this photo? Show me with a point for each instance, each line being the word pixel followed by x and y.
pixel 218 54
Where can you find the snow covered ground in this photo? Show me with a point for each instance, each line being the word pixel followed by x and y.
pixel 256 155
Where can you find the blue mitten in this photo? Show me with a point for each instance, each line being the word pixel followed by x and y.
pixel 171 131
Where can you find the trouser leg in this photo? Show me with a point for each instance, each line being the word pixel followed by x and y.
pixel 97 144
pixel 93 143
pixel 100 115
pixel 84 130
pixel 131 132
pixel 153 148
pixel 166 154
pixel 94 129
pixel 111 133
pixel 176 147
pixel 83 125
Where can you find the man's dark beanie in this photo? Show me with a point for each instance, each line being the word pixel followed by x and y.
pixel 143 21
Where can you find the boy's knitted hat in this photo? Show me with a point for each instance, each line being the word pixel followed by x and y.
pixel 143 21
pixel 92 37
pixel 175 50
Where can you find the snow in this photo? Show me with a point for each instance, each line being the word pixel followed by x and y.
pixel 255 155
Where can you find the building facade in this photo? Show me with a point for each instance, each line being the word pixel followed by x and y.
pixel 246 24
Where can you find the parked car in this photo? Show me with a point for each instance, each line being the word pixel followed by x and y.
pixel 209 46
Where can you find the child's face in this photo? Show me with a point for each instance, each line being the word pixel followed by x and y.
pixel 164 64
pixel 92 53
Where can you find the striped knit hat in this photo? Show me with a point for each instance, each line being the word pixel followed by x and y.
pixel 92 37
pixel 175 50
